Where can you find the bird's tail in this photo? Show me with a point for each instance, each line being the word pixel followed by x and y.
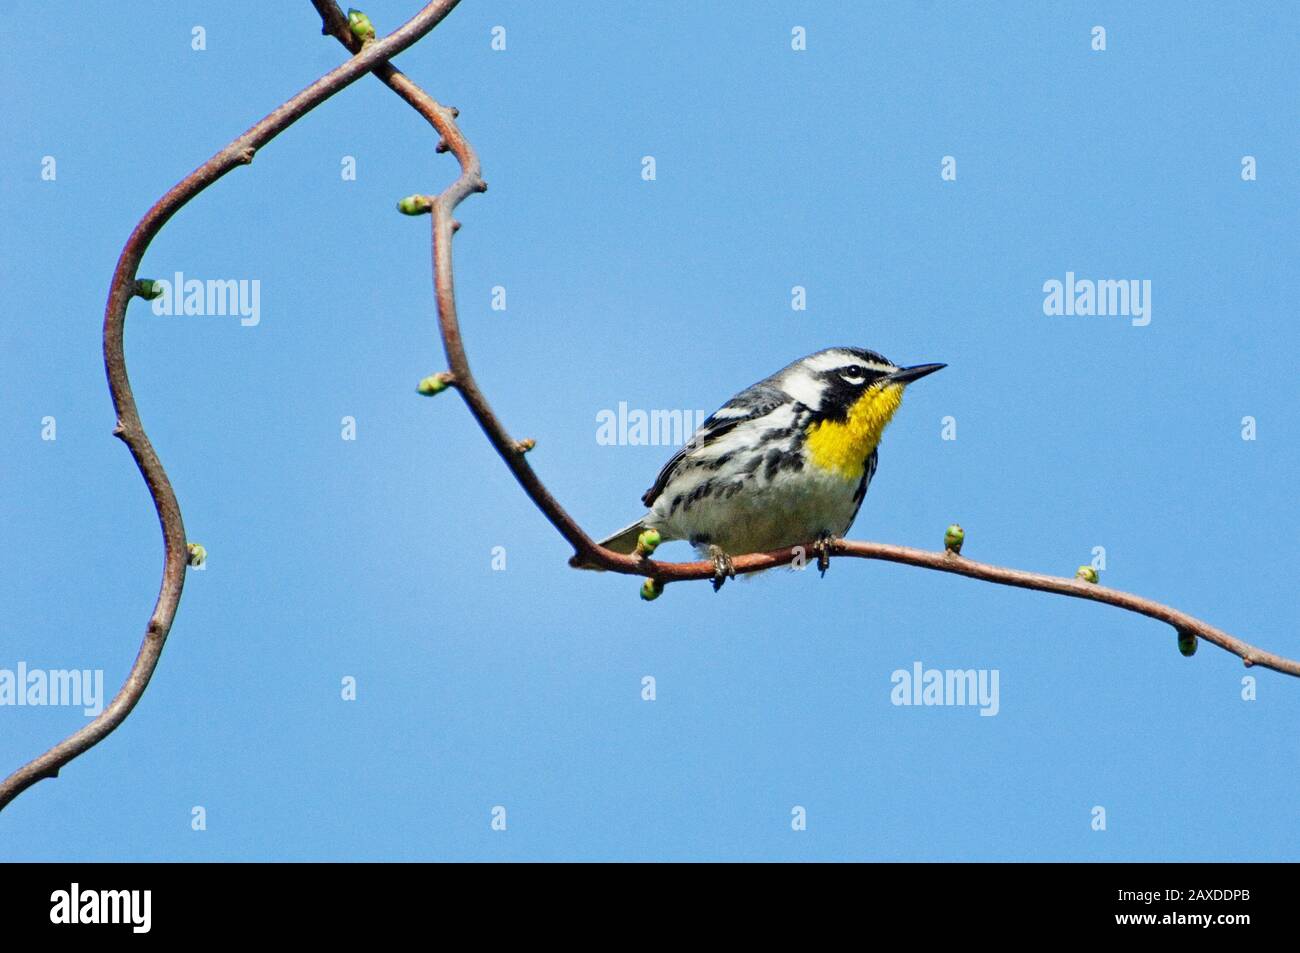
pixel 624 541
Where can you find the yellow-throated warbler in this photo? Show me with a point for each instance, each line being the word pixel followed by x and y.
pixel 783 462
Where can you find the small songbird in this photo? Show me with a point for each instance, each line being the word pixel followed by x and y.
pixel 785 461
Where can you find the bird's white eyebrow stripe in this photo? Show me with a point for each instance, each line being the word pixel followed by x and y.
pixel 828 361
pixel 834 359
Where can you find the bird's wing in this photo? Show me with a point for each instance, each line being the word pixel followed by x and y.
pixel 759 401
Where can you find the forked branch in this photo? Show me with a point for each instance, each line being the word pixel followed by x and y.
pixel 586 550
pixel 372 55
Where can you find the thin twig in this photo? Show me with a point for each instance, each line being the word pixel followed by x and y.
pixel 588 552
pixel 443 119
pixel 129 428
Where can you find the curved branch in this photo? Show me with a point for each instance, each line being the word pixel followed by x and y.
pixel 442 118
pixel 591 554
pixel 944 561
pixel 129 428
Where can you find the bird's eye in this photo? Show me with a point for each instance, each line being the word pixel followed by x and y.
pixel 853 374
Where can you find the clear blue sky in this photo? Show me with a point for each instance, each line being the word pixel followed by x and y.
pixel 372 558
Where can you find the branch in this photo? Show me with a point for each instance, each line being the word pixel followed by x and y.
pixel 587 551
pixel 444 226
pixel 129 428
pixel 441 208
pixel 950 562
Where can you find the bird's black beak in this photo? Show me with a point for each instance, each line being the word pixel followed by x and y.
pixel 905 375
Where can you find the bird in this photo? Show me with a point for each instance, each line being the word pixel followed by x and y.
pixel 785 461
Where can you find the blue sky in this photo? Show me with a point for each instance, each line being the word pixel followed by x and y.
pixel 522 688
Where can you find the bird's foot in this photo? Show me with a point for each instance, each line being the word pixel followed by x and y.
pixel 722 567
pixel 825 542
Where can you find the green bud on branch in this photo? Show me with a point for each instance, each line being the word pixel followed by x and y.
pixel 415 205
pixel 651 590
pixel 147 288
pixel 953 537
pixel 198 555
pixel 360 26
pixel 434 384
pixel 648 542
pixel 1187 642
pixel 1087 574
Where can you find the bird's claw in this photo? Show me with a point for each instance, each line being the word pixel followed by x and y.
pixel 823 550
pixel 722 567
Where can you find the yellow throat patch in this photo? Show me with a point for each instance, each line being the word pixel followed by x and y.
pixel 843 447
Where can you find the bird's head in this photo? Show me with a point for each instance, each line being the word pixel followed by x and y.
pixel 831 383
pixel 852 393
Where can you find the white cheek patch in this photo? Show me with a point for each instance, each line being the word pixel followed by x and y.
pixel 802 384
